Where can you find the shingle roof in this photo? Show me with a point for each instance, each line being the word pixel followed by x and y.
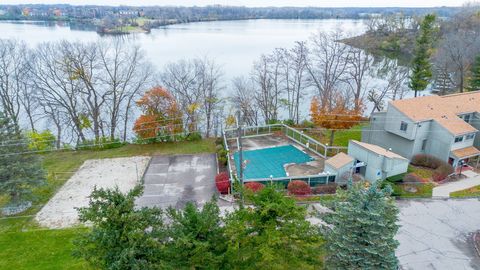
pixel 442 109
pixel 339 160
pixel 378 150
pixel 466 152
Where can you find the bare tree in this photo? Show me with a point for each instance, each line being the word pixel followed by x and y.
pixel 359 64
pixel 14 79
pixel 295 78
pixel 327 64
pixel 124 73
pixel 182 79
pixel 266 88
pixel 209 82
pixel 242 99
pixel 58 84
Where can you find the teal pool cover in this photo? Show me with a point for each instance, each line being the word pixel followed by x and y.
pixel 267 162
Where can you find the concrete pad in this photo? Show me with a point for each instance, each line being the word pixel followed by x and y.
pixel 176 180
pixel 124 173
pixel 437 234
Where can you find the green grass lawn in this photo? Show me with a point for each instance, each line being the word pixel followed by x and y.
pixel 23 245
pixel 470 192
pixel 342 137
pixel 422 190
pixel 424 173
pixel 39 249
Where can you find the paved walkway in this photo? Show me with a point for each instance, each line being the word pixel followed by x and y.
pixel 444 191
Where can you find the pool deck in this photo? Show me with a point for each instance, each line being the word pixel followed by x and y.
pixel 254 143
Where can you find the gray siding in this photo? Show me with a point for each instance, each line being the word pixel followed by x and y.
pixel 376 134
pixel 476 123
pixel 394 118
pixel 439 142
pixel 378 167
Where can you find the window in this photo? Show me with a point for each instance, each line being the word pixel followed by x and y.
pixel 470 136
pixel 424 145
pixel 459 139
pixel 466 118
pixel 403 126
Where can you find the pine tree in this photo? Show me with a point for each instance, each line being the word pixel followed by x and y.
pixel 421 66
pixel 474 80
pixel 19 173
pixel 363 229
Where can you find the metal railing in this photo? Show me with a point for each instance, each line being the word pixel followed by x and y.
pixel 298 137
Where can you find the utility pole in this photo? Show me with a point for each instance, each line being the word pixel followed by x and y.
pixel 240 148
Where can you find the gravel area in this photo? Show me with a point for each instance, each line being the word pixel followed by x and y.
pixel 60 211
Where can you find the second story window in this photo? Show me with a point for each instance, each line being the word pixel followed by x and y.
pixel 458 139
pixel 470 136
pixel 403 126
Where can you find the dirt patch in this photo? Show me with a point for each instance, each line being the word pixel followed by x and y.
pixel 60 211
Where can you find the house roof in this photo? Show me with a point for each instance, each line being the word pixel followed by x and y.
pixel 466 152
pixel 340 160
pixel 442 109
pixel 378 150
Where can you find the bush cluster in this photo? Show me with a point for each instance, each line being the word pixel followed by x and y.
pixel 441 168
pixel 299 188
pixel 222 153
pixel 330 188
pixel 254 186
pixel 222 181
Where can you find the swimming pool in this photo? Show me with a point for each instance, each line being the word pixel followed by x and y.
pixel 269 162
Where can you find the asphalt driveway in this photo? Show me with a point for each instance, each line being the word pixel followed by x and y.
pixel 437 234
pixel 176 180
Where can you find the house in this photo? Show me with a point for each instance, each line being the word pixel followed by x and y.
pixel 446 127
pixel 371 161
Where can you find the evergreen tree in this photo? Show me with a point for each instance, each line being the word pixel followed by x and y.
pixel 421 66
pixel 122 237
pixel 273 234
pixel 363 229
pixel 474 80
pixel 19 173
pixel 197 239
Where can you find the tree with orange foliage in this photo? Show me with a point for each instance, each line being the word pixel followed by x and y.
pixel 335 114
pixel 161 114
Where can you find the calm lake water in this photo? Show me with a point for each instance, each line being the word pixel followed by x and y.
pixel 233 44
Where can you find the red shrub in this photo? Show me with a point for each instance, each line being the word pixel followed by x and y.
pixel 254 186
pixel 298 187
pixel 222 180
pixel 325 189
pixel 442 172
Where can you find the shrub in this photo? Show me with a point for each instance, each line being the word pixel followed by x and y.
pixel 441 168
pixel 299 188
pixel 412 178
pixel 222 180
pixel 426 161
pixel 194 136
pixel 330 188
pixel 254 186
pixel 289 122
pixel 219 141
pixel 442 172
pixel 40 141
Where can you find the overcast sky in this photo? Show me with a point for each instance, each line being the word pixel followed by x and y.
pixel 254 3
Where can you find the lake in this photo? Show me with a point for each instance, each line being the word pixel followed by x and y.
pixel 233 44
